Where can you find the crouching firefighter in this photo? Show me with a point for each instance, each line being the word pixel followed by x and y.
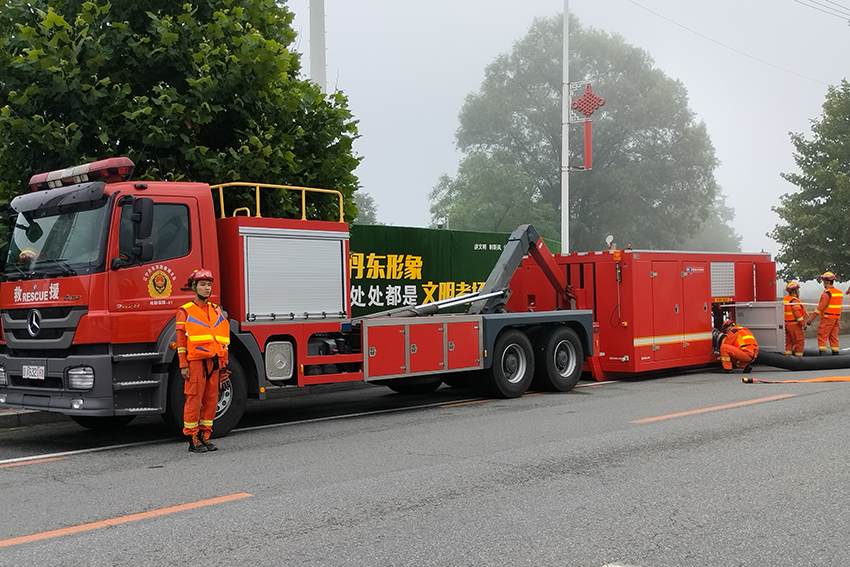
pixel 739 347
pixel 203 335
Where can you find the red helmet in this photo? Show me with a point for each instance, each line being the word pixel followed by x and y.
pixel 792 286
pixel 197 276
pixel 827 276
pixel 726 324
pixel 201 274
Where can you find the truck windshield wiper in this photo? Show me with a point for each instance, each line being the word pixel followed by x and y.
pixel 66 269
pixel 24 275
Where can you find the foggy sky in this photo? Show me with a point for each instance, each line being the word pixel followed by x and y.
pixel 407 65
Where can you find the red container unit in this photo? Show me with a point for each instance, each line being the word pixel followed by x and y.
pixel 652 310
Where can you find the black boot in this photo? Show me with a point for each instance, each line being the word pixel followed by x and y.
pixel 748 368
pixel 195 445
pixel 204 437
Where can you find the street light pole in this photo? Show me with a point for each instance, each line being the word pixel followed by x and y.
pixel 317 43
pixel 565 137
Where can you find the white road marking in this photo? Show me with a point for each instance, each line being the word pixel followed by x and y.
pixel 246 429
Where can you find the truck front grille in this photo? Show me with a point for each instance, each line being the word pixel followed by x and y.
pixel 41 328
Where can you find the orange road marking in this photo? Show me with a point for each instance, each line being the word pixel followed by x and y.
pixel 696 411
pixel 37 461
pixel 121 520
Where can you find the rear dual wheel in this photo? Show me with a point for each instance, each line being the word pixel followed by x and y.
pixel 559 357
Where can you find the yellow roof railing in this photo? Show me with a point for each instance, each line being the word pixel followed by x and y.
pixel 258 186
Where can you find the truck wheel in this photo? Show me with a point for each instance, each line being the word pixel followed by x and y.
pixel 231 402
pixel 104 423
pixel 558 357
pixel 513 365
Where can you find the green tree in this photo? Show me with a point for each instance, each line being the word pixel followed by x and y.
pixel 652 182
pixel 715 234
pixel 816 234
pixel 367 210
pixel 203 91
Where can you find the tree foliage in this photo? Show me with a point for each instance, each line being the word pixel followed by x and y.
pixel 652 182
pixel 816 234
pixel 204 91
pixel 367 210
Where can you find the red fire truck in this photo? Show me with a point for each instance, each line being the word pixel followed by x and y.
pixel 93 279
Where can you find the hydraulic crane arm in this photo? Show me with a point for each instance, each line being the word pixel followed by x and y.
pixel 496 290
pixel 524 240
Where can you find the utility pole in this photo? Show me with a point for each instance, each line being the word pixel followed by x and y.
pixel 565 137
pixel 317 44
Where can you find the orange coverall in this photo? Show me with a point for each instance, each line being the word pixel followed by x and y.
pixel 201 388
pixel 795 316
pixel 738 347
pixel 829 309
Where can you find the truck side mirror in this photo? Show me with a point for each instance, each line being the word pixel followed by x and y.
pixel 142 218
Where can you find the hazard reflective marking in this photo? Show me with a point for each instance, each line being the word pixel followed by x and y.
pixel 671 339
pixel 121 520
pixel 713 408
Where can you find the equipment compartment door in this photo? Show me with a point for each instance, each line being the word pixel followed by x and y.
pixel 464 345
pixel 667 310
pixel 427 347
pixel 696 309
pixel 385 351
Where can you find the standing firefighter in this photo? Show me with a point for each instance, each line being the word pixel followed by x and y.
pixel 829 309
pixel 739 347
pixel 202 338
pixel 795 320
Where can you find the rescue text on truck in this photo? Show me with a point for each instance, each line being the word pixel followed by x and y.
pixel 92 285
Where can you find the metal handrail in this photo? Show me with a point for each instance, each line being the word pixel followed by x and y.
pixel 258 186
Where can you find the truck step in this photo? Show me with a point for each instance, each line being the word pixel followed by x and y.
pixel 136 356
pixel 135 385
pixel 135 411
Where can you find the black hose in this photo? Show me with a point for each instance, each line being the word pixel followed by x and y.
pixel 811 360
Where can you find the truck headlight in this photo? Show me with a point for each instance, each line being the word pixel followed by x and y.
pixel 3 380
pixel 80 378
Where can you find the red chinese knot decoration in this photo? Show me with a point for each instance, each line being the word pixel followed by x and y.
pixel 588 103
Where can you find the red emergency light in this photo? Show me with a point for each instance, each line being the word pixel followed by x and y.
pixel 110 170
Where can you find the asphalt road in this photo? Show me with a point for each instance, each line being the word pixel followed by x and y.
pixel 693 469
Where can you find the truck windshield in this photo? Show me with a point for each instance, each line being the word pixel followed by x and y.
pixel 58 241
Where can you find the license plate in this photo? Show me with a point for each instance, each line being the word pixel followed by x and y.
pixel 33 372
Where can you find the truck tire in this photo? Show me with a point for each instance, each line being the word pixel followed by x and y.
pixel 558 357
pixel 231 402
pixel 104 423
pixel 513 365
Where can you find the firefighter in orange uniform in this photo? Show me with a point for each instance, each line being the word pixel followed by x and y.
pixel 739 347
pixel 829 309
pixel 795 320
pixel 203 336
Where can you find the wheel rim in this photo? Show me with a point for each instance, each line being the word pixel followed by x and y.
pixel 514 363
pixel 225 398
pixel 565 358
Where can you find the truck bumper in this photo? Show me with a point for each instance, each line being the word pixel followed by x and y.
pixel 105 398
